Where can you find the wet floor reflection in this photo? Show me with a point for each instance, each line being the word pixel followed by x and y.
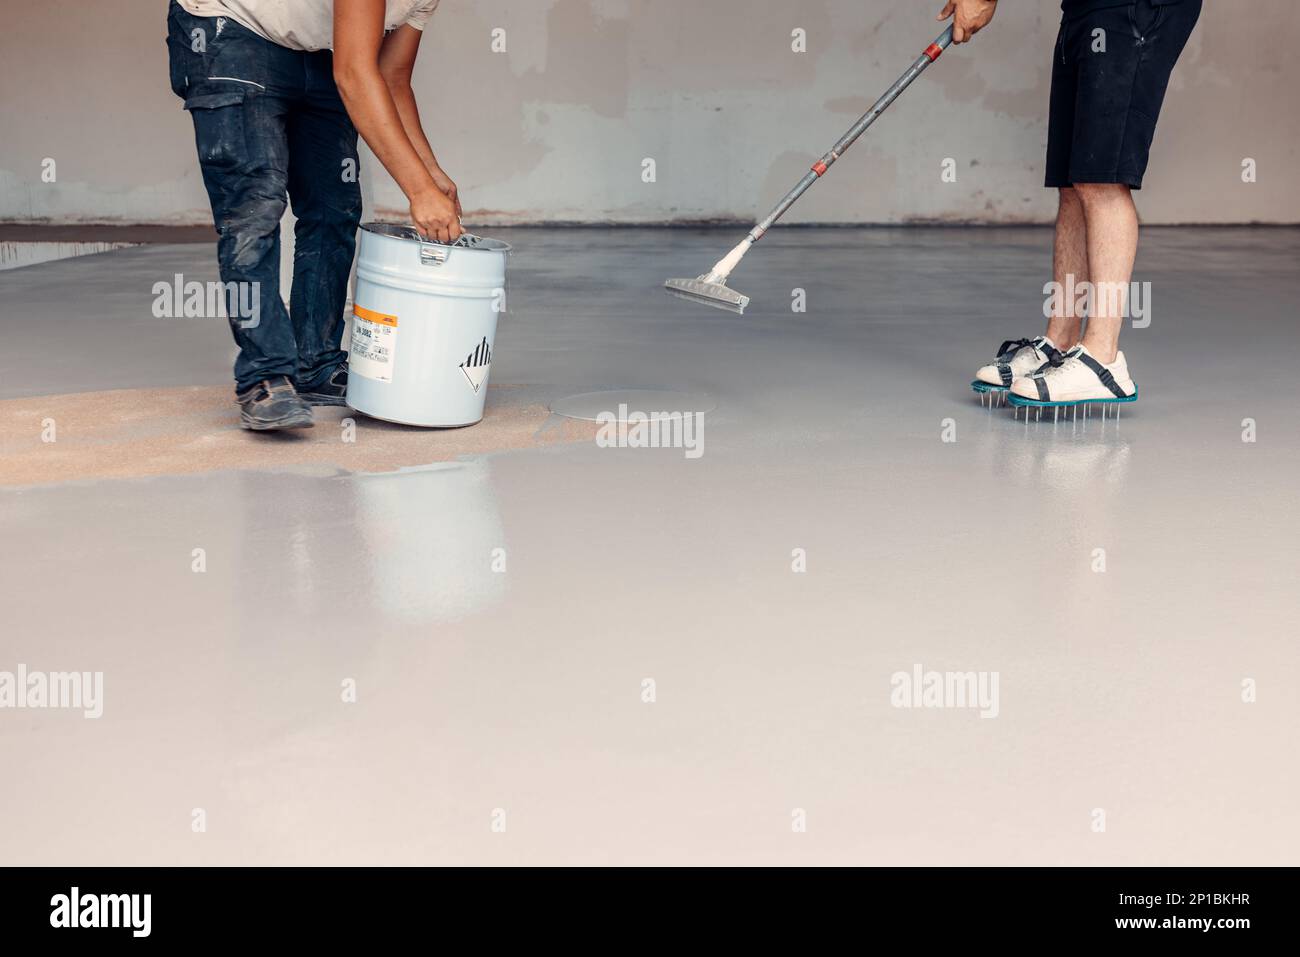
pixel 432 540
pixel 412 547
pixel 1068 456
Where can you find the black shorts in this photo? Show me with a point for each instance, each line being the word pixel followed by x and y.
pixel 1106 98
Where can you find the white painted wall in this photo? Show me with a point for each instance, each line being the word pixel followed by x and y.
pixel 557 127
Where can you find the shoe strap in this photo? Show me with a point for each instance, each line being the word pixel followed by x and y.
pixel 1013 346
pixel 1102 373
pixel 1057 360
pixel 1046 348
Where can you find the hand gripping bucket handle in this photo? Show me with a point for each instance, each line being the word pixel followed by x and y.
pixel 432 252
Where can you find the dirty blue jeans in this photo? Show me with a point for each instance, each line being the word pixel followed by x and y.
pixel 269 123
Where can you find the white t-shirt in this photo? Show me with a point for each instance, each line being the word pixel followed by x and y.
pixel 304 24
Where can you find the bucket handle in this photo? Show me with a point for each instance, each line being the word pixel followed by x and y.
pixel 433 254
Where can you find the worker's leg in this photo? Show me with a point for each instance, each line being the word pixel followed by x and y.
pixel 326 194
pixel 1112 231
pixel 1069 269
pixel 234 86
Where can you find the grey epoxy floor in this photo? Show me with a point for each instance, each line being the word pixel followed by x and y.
pixel 518 697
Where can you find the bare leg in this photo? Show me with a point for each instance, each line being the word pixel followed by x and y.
pixel 1112 230
pixel 1069 258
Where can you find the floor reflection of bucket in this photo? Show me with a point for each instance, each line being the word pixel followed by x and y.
pixel 434 541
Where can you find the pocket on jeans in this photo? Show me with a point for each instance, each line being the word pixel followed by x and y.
pixel 181 59
pixel 179 72
pixel 219 127
pixel 1145 17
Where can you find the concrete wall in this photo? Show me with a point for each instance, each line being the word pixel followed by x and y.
pixel 557 127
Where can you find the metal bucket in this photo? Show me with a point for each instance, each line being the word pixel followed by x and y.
pixel 424 326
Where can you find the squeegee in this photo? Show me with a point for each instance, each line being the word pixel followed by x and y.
pixel 711 288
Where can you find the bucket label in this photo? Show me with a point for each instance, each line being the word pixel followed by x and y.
pixel 477 365
pixel 374 344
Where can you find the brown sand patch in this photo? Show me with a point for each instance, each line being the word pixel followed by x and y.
pixel 128 433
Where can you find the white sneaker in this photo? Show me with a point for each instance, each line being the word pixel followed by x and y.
pixel 1074 378
pixel 1016 358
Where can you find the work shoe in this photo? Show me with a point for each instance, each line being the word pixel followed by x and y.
pixel 273 404
pixel 1015 358
pixel 333 391
pixel 1075 378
